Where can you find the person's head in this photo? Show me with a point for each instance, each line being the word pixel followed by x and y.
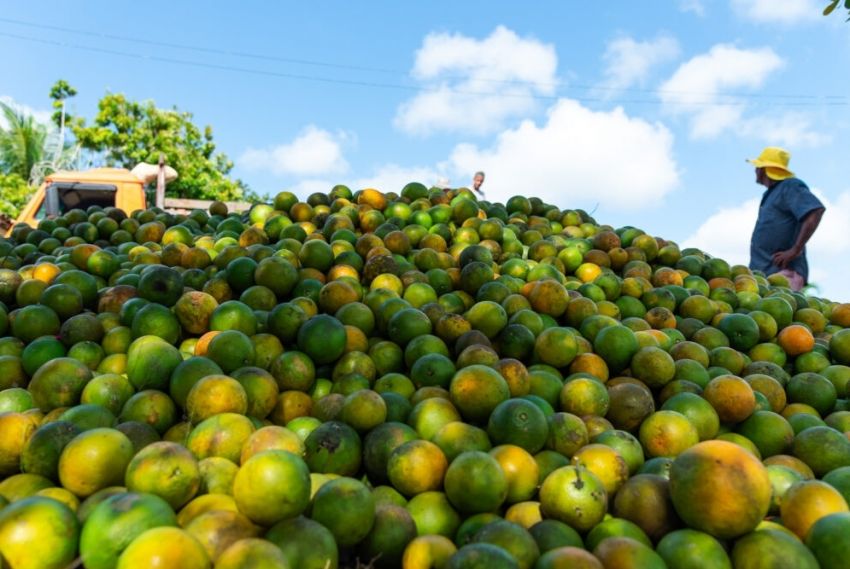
pixel 762 178
pixel 772 166
pixel 477 180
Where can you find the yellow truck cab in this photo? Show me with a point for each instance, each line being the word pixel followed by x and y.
pixel 63 191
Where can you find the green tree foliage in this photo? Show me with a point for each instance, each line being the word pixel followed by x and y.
pixel 834 4
pixel 60 91
pixel 22 142
pixel 128 132
pixel 14 193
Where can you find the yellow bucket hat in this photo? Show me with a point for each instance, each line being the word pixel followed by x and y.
pixel 775 162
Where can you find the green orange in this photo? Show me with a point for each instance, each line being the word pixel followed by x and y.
pixel 574 496
pixel 167 470
pixel 346 507
pixel 43 521
pixel 116 521
pixel 272 486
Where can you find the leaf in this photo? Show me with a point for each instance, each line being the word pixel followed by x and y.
pixel 847 4
pixel 828 10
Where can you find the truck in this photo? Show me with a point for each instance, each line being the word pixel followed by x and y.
pixel 105 187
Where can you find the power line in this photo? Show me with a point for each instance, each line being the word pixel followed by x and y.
pixel 834 100
pixel 349 67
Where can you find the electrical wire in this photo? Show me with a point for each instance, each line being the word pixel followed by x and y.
pixel 349 67
pixel 831 100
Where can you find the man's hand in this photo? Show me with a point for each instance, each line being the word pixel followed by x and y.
pixel 783 258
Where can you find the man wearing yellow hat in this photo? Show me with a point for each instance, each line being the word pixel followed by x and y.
pixel 788 216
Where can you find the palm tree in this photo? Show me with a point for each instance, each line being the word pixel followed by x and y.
pixel 22 142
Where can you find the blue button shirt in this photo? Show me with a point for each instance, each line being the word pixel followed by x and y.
pixel 783 208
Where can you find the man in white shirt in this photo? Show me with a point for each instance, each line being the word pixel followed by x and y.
pixel 477 180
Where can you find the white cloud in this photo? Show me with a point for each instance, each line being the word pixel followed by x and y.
pixel 474 86
pixel 715 238
pixel 41 116
pixel 699 87
pixel 826 251
pixel 778 12
pixel 694 6
pixel 577 158
pixel 629 61
pixel 791 129
pixel 314 151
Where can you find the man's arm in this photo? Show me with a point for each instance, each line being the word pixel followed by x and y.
pixel 810 223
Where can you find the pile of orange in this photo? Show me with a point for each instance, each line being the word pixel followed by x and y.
pixel 410 379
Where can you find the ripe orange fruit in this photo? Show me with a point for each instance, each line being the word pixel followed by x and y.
pixel 606 463
pixel 416 466
pixel 203 504
pixel 364 410
pixel 167 470
pixel 590 363
pixel 164 547
pixel 428 551
pixel 458 437
pixel 583 397
pixel 770 388
pixel 653 366
pixel 215 394
pixel 203 343
pixel 731 397
pixel 476 390
pixel 796 339
pixel 17 429
pixel 840 315
pixel 521 472
pixel 221 435
pixel 667 433
pixel 272 437
pixel 808 501
pixel 93 460
pixel 719 488
pixel 556 347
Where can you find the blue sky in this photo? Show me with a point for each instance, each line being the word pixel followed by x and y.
pixel 642 114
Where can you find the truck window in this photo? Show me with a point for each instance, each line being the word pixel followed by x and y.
pixel 61 197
